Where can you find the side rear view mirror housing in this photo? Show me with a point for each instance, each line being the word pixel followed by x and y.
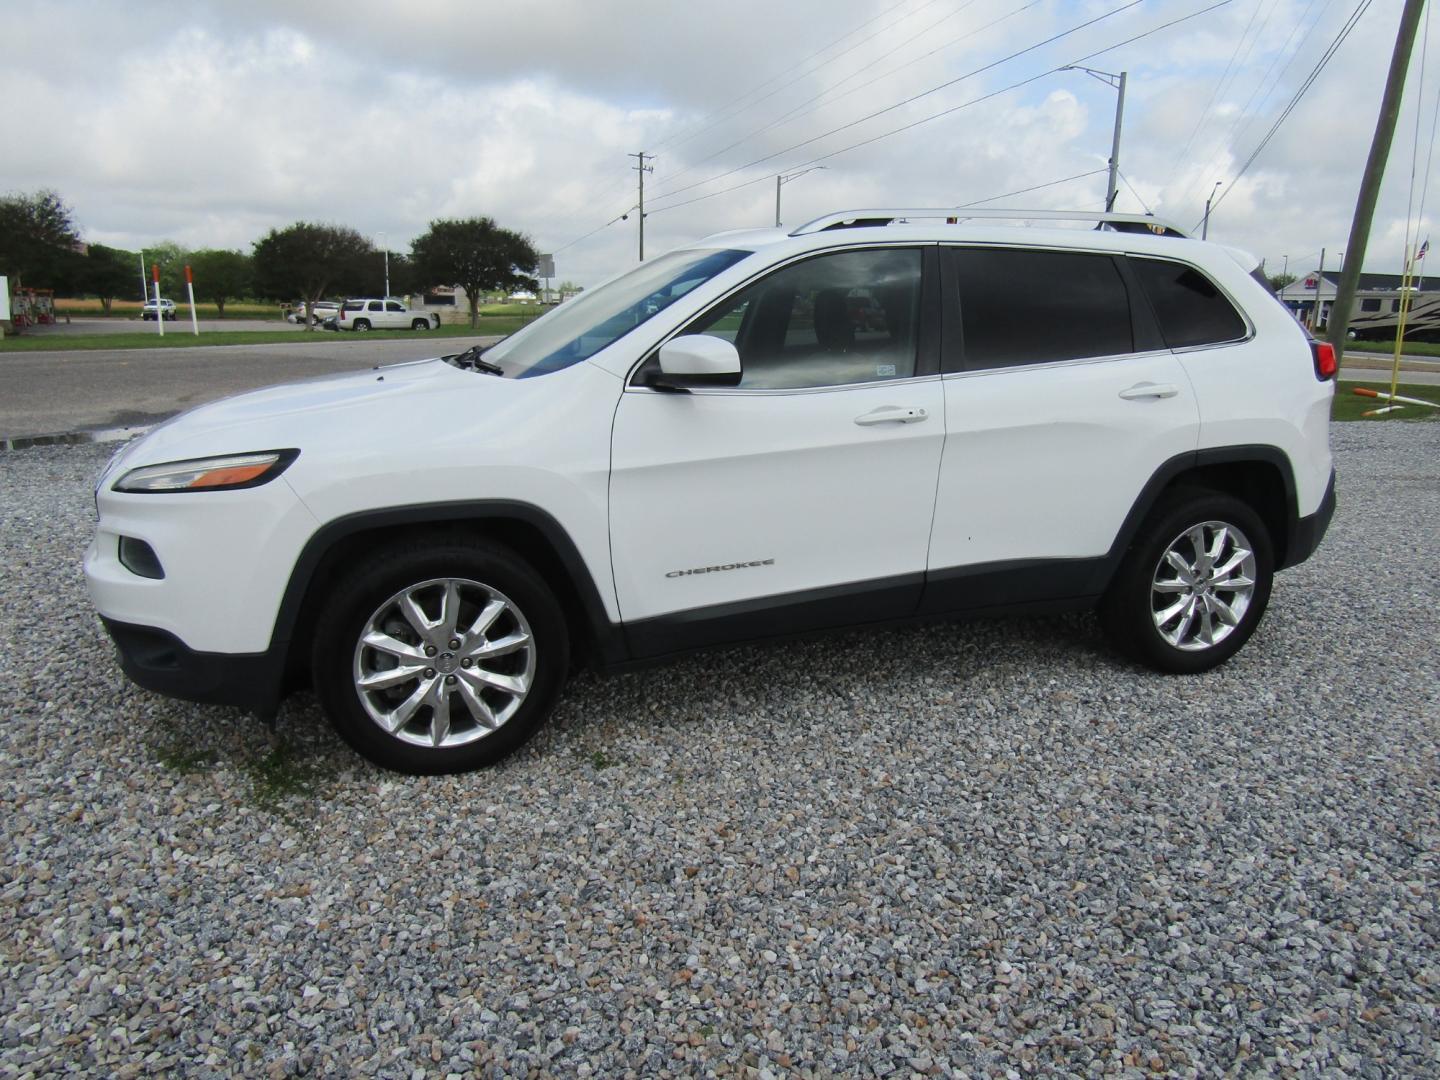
pixel 697 360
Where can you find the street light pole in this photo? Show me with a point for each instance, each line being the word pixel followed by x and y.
pixel 1205 224
pixel 785 178
pixel 1117 83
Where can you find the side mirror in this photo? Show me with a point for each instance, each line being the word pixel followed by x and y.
pixel 697 360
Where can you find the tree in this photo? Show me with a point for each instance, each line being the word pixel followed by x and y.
pixel 171 258
pixel 310 261
pixel 222 276
pixel 37 236
pixel 109 272
pixel 475 255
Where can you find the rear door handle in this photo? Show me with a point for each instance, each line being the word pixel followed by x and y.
pixel 1141 391
pixel 892 414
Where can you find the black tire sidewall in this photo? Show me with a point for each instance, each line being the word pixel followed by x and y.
pixel 354 599
pixel 1126 612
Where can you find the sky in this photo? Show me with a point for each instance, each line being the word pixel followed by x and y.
pixel 209 124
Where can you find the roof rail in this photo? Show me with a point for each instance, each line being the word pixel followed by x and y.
pixel 851 219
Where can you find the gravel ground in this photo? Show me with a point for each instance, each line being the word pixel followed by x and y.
pixel 984 849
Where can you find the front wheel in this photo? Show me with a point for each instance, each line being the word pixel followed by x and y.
pixel 440 657
pixel 1194 584
pixel 420 324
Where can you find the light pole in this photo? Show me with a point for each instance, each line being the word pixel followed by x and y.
pixel 1116 82
pixel 1205 224
pixel 785 178
pixel 384 244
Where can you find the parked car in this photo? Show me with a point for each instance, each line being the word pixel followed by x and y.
pixel 320 311
pixel 363 315
pixel 156 308
pixel 708 450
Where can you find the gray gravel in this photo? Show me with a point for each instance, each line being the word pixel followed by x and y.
pixel 985 849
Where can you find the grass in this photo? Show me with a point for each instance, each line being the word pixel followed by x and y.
pixel 1387 348
pixel 130 309
pixel 1351 406
pixel 178 336
pixel 282 773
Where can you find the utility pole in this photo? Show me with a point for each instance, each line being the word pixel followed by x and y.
pixel 1319 288
pixel 642 169
pixel 1374 174
pixel 1115 82
pixel 1205 226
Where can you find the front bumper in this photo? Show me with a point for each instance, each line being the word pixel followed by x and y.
pixel 157 660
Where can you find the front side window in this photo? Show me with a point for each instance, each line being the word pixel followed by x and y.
pixel 1190 307
pixel 1035 307
pixel 832 320
pixel 580 328
pixel 391 305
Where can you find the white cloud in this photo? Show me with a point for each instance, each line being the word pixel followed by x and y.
pixel 209 124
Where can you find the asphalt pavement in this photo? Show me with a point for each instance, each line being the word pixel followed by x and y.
pixel 67 392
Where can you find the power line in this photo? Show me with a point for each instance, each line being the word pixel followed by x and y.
pixel 1325 59
pixel 1037 187
pixel 1136 194
pixel 915 97
pixel 831 89
pixel 953 108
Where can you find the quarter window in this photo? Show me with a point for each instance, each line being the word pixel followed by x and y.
pixel 1034 307
pixel 1190 307
pixel 850 317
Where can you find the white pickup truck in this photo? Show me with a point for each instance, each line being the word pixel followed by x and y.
pixel 363 315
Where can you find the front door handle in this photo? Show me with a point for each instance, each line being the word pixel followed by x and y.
pixel 892 414
pixel 1144 390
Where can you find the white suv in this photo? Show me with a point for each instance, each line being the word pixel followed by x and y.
pixel 877 417
pixel 365 315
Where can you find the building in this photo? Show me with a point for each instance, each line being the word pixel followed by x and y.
pixel 1377 304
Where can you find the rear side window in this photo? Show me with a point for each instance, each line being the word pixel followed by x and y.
pixel 1035 307
pixel 1190 307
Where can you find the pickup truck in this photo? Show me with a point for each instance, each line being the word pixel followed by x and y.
pixel 363 315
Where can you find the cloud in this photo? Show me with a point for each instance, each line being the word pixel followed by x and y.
pixel 210 123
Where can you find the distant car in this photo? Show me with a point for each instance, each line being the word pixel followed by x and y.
pixel 363 315
pixel 324 309
pixel 164 307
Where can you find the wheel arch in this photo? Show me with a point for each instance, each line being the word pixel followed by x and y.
pixel 527 530
pixel 1260 476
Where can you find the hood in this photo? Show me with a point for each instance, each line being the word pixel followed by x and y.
pixel 311 413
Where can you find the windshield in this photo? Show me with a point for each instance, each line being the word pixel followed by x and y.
pixel 580 328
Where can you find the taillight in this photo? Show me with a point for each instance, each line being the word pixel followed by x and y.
pixel 1324 355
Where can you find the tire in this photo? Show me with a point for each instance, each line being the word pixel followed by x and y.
pixel 362 325
pixel 1145 612
pixel 404 725
pixel 420 324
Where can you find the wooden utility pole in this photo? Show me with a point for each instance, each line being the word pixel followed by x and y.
pixel 1374 174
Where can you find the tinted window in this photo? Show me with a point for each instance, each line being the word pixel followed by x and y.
pixel 1033 307
pixel 391 305
pixel 836 319
pixel 1370 305
pixel 1190 308
pixel 375 305
pixel 1394 305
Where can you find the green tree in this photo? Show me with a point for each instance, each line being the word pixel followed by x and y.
pixel 109 272
pixel 222 276
pixel 38 239
pixel 171 258
pixel 1279 281
pixel 476 255
pixel 311 261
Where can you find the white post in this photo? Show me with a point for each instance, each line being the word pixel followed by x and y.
pixel 190 288
pixel 159 314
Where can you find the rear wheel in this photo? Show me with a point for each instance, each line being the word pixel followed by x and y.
pixel 440 657
pixel 362 325
pixel 1194 585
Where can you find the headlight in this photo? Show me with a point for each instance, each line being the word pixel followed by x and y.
pixel 208 474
